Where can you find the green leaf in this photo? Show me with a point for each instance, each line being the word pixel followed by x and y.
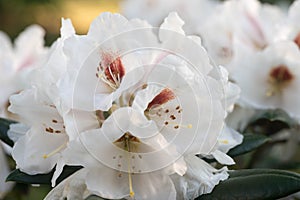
pixel 273 115
pixel 4 127
pixel 21 177
pixel 250 142
pixel 256 184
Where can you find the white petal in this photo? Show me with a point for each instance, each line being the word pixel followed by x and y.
pixel 223 158
pixel 105 25
pixel 107 183
pixel 77 121
pixel 173 23
pixel 294 11
pixel 73 187
pixel 77 152
pixel 29 151
pixel 5 42
pixel 144 97
pixel 228 139
pixel 33 39
pixel 129 120
pixel 199 179
pixel 154 186
pixel 67 28
pixel 16 131
pixel 58 170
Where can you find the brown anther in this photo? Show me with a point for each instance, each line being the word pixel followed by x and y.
pixel 166 122
pixel 167 110
pixel 50 130
pixel 57 131
pixel 178 107
pixel 172 117
pixel 176 127
pixel 144 86
pixel 54 121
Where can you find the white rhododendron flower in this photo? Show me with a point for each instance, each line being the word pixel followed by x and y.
pixel 104 67
pixel 154 108
pixel 194 12
pixel 245 24
pixel 73 187
pixel 290 26
pixel 199 179
pixel 269 79
pixel 17 60
pixel 34 151
pixel 43 133
pixel 130 143
pixel 151 107
pixel 132 106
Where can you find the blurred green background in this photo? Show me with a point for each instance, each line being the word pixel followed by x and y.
pixel 15 15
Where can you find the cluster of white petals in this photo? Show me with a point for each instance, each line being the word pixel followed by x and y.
pixel 143 101
pixel 257 43
pixel 130 104
pixel 150 103
pixel 17 60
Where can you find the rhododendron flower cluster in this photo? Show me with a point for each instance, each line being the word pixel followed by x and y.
pixel 150 105
pixel 120 101
pixel 257 43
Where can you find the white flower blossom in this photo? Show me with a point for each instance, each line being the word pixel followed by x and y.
pixel 199 179
pixel 269 79
pixel 123 154
pixel 16 61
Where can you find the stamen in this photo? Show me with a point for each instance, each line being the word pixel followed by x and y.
pixel 131 192
pixel 110 70
pixel 57 150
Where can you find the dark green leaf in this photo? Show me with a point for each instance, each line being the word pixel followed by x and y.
pixel 21 177
pixel 4 127
pixel 256 184
pixel 249 172
pixel 250 142
pixel 274 115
